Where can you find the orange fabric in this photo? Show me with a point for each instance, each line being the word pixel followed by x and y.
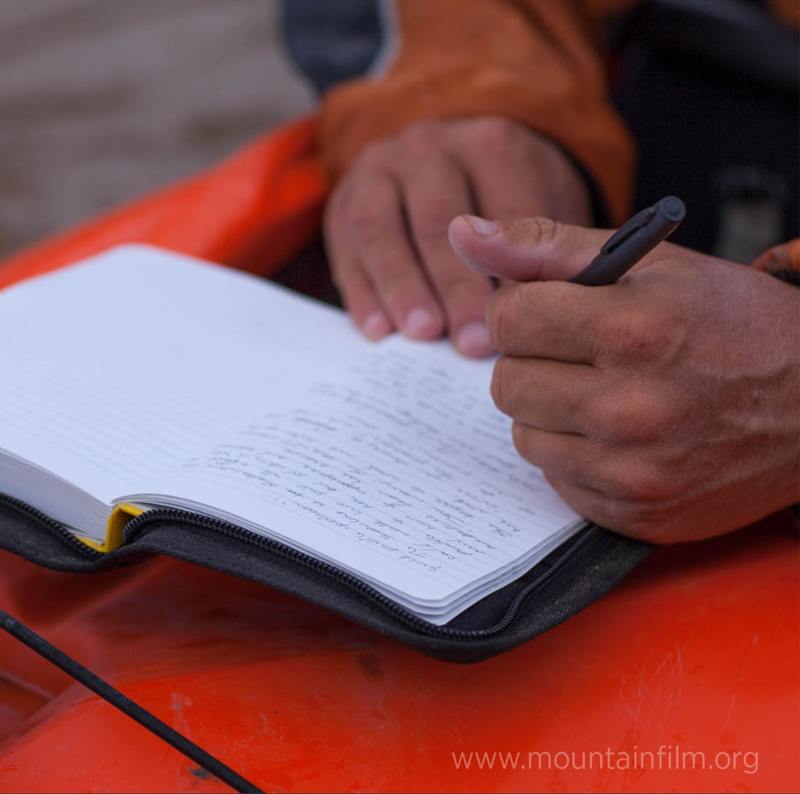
pixel 528 60
pixel 697 651
pixel 787 10
pixel 533 61
pixel 253 211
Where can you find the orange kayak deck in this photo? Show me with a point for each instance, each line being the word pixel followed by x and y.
pixel 697 651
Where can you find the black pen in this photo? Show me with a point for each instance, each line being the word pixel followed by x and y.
pixel 633 240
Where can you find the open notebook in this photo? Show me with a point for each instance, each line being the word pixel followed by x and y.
pixel 141 378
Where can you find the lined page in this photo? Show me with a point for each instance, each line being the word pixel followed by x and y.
pixel 398 468
pixel 123 366
pixel 150 377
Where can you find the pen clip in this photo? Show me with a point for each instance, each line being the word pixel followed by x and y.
pixel 630 227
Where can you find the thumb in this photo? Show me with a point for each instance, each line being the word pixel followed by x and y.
pixel 531 249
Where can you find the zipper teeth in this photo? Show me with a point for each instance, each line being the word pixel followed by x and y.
pixel 138 525
pixel 58 529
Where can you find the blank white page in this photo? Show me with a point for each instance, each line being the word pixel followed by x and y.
pixel 122 366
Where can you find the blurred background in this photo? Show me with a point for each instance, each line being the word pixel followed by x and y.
pixel 102 100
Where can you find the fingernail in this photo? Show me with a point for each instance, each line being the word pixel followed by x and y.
pixel 419 322
pixel 376 326
pixel 481 226
pixel 473 340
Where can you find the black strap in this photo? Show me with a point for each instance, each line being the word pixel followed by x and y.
pixel 126 705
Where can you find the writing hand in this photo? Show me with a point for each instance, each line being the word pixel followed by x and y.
pixel 386 223
pixel 666 406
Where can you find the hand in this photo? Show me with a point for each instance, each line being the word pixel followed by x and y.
pixel 386 223
pixel 666 406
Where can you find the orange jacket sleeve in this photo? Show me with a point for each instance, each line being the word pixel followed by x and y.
pixel 529 60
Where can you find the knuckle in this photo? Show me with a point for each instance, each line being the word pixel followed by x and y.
pixel 423 134
pixel 637 520
pixel 633 416
pixel 537 231
pixel 495 133
pixel 375 153
pixel 641 487
pixel 634 334
pixel 629 516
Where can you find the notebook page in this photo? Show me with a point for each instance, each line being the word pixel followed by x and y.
pixel 398 468
pixel 122 366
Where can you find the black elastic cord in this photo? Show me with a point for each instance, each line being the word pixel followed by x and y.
pixel 126 705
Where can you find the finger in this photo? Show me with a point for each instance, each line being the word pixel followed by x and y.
pixel 505 188
pixel 376 225
pixel 546 395
pixel 563 455
pixel 532 249
pixel 359 299
pixel 589 503
pixel 436 194
pixel 581 474
pixel 506 191
pixel 560 456
pixel 526 175
pixel 553 320
pixel 358 294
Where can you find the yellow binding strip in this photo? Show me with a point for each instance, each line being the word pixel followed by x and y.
pixel 119 517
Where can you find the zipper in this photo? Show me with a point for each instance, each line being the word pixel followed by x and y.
pixel 138 525
pixel 57 529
